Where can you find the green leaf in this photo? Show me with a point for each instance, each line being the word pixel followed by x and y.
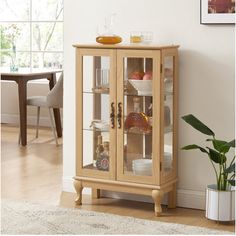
pixel 197 124
pixel 220 145
pixel 225 148
pixel 194 146
pixel 232 181
pixel 231 143
pixel 216 156
pixel 230 169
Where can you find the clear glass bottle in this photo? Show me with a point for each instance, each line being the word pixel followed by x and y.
pixel 13 65
pixel 149 113
pixel 102 162
pixel 99 150
pixel 108 36
pixel 166 114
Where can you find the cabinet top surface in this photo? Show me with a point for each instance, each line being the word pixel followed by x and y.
pixel 125 46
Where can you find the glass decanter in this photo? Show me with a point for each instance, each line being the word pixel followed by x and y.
pixel 108 36
pixel 137 120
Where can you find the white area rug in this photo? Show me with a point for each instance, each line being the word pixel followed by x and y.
pixel 27 218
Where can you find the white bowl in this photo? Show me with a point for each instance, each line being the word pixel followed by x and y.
pixel 144 87
pixel 142 161
pixel 141 168
pixel 142 164
pixel 99 124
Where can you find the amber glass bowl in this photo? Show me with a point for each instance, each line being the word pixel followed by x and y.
pixel 108 39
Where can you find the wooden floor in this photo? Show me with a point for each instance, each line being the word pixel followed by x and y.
pixel 34 173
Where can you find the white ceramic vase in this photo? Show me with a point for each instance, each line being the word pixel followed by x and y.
pixel 220 205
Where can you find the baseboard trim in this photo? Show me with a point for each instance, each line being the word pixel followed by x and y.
pixel 68 186
pixel 31 120
pixel 185 198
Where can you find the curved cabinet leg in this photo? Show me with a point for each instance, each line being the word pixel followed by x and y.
pixel 157 197
pixel 172 197
pixel 78 188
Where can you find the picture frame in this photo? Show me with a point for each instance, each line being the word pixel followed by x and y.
pixel 217 11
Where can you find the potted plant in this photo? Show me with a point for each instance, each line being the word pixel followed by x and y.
pixel 220 197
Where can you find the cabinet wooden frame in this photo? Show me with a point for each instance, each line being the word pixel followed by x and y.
pixel 170 52
pixel 80 53
pixel 116 179
pixel 154 55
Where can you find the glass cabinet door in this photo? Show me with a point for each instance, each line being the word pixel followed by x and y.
pixel 97 113
pixel 169 96
pixel 137 132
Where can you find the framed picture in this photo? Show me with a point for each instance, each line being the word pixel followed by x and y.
pixel 217 11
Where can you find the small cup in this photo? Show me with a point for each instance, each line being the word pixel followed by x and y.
pixel 98 78
pixel 105 78
pixel 147 36
pixel 135 37
pixel 102 78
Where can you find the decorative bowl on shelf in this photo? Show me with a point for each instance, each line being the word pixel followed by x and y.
pixel 143 87
pixel 99 124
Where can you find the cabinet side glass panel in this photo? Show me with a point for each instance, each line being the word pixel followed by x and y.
pixel 137 116
pixel 167 158
pixel 96 122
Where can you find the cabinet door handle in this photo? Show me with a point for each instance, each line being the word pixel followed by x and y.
pixel 119 115
pixel 112 115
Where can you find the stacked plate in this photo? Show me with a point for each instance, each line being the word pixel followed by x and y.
pixel 142 166
pixel 167 161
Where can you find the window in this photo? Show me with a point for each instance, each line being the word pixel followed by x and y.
pixel 31 33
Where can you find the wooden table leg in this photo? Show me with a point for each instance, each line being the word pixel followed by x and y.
pixel 57 116
pixel 22 93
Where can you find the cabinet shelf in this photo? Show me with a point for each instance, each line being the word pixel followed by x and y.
pixel 131 173
pixel 136 132
pixel 96 92
pixel 91 167
pixel 167 129
pixel 125 93
pixel 97 130
pixel 136 95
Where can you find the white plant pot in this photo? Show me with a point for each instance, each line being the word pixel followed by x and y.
pixel 220 205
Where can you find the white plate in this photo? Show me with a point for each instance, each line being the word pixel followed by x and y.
pixel 147 173
pixel 142 161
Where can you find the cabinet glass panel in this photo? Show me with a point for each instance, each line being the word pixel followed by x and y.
pixel 95 113
pixel 167 160
pixel 137 116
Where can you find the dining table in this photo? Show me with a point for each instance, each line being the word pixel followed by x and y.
pixel 22 77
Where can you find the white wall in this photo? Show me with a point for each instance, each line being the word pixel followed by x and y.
pixel 10 102
pixel 206 75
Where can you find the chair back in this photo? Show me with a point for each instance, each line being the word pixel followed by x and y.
pixel 55 96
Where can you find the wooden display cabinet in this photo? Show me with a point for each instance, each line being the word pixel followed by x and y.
pixel 126 129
